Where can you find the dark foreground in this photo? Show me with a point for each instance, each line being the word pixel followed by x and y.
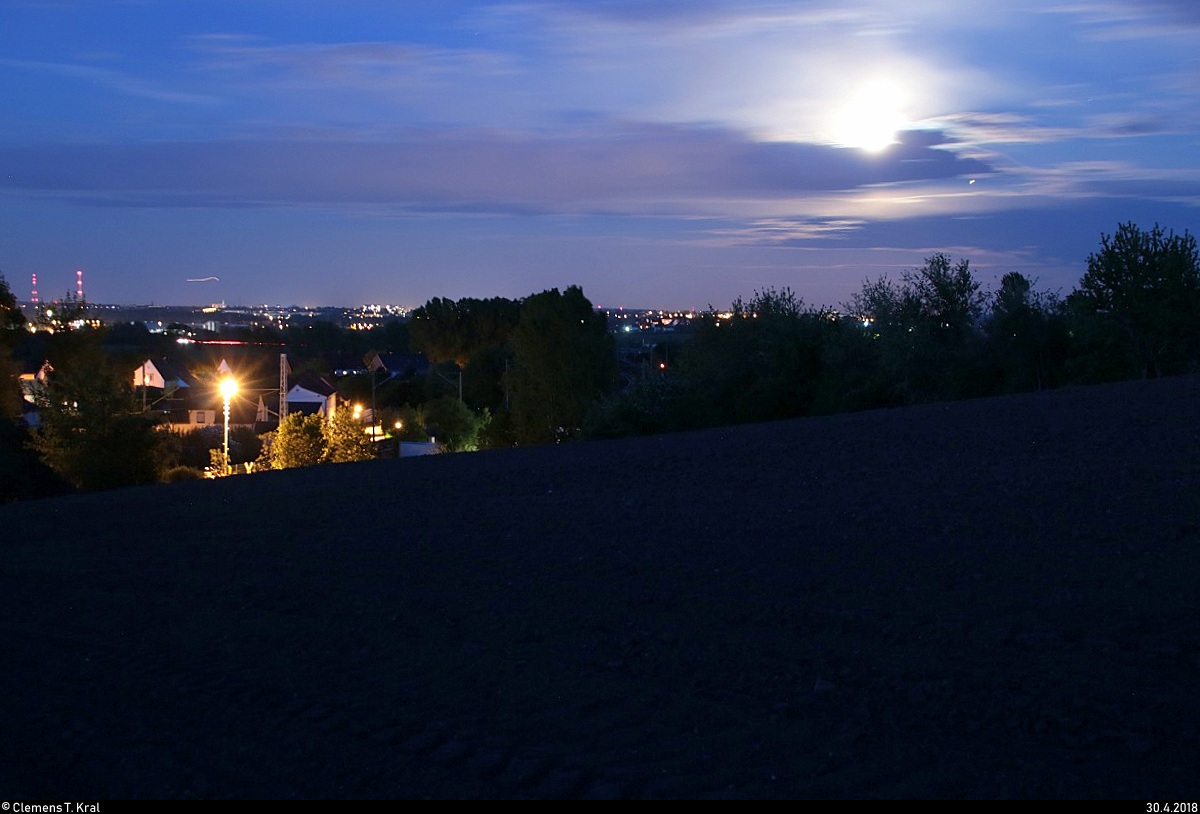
pixel 989 599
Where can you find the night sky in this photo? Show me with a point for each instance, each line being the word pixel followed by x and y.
pixel 659 154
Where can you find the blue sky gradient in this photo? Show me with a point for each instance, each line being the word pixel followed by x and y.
pixel 660 154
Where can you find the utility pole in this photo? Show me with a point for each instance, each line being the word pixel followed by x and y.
pixel 448 380
pixel 373 364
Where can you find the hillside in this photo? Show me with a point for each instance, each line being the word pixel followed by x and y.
pixel 994 598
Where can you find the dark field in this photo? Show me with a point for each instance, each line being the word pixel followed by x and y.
pixel 990 599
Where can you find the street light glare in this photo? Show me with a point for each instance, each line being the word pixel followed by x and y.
pixel 229 387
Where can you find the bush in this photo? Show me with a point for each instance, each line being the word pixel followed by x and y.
pixel 181 473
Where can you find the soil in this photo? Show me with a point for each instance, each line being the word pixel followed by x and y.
pixel 987 599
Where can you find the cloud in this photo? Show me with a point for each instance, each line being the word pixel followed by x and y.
pixel 114 80
pixel 377 65
pixel 635 170
pixel 1108 20
pixel 1117 180
pixel 777 70
pixel 780 232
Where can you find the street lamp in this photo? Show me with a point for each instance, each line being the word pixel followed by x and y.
pixel 229 388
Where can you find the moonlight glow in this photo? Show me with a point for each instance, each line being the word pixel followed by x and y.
pixel 871 119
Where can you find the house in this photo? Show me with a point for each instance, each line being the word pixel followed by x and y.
pixel 169 389
pixel 161 375
pixel 399 365
pixel 312 394
pixel 32 378
pixel 266 414
pixel 309 394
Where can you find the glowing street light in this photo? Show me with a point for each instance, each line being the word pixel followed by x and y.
pixel 229 388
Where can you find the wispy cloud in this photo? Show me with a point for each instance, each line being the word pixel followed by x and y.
pixel 780 232
pixel 121 82
pixel 371 64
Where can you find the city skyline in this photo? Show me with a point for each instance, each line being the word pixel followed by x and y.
pixel 660 155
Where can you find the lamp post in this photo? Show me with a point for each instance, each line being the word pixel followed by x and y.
pixel 229 387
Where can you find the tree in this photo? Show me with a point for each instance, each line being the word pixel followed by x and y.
pixel 11 323
pixel 565 361
pixel 92 433
pixel 759 364
pixel 299 441
pixel 454 424
pixel 345 441
pixel 925 332
pixel 474 335
pixel 448 330
pixel 12 320
pixel 10 387
pixel 946 297
pixel 1138 305
pixel 1027 335
pixel 308 440
pixel 23 474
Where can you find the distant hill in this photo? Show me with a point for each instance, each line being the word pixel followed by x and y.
pixel 994 598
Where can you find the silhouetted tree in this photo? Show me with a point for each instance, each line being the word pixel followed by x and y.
pixel 12 319
pixel 759 364
pixel 448 330
pixel 23 475
pixel 454 424
pixel 92 432
pixel 925 331
pixel 1137 309
pixel 326 340
pixel 946 297
pixel 1028 337
pixel 483 377
pixel 565 361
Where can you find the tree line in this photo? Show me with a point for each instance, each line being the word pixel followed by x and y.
pixel 933 335
pixel 543 369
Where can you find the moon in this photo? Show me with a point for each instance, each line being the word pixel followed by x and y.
pixel 871 118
